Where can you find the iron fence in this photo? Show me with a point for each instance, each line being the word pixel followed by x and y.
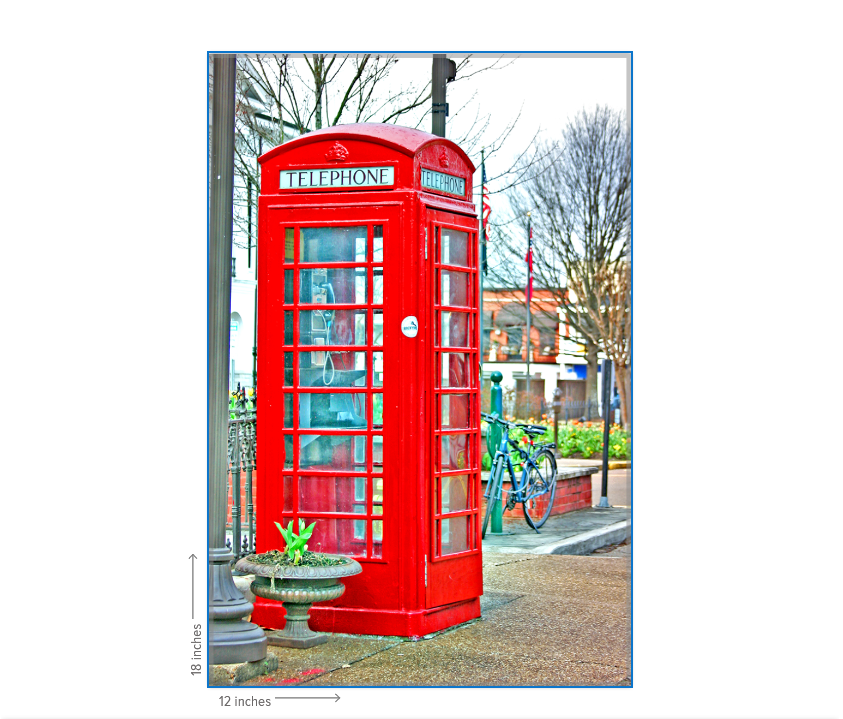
pixel 576 409
pixel 242 460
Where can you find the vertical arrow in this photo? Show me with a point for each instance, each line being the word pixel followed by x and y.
pixel 192 557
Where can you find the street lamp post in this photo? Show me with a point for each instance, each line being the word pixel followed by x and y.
pixel 231 639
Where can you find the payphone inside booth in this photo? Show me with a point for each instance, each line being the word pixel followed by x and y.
pixel 368 357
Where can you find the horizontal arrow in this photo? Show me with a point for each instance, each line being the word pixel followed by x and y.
pixel 335 695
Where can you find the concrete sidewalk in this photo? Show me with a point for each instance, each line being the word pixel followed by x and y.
pixel 547 620
pixel 579 532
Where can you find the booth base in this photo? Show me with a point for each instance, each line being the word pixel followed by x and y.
pixel 379 622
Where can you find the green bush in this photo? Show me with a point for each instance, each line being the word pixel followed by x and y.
pixel 577 437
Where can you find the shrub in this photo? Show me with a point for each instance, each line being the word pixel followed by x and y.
pixel 575 437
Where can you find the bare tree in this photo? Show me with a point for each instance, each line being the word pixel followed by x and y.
pixel 284 96
pixel 611 318
pixel 578 194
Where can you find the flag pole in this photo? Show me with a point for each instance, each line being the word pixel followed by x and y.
pixel 529 294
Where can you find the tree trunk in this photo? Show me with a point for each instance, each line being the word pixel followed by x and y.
pixel 624 381
pixel 591 373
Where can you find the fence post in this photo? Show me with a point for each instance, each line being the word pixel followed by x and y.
pixel 234 463
pixel 251 462
pixel 557 404
pixel 607 388
pixel 496 405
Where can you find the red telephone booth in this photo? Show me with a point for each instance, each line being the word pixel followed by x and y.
pixel 369 372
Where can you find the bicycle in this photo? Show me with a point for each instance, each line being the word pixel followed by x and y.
pixel 537 486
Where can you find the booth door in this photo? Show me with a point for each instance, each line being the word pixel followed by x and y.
pixel 455 570
pixel 326 319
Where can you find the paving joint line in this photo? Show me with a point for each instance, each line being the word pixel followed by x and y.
pixel 305 680
pixel 514 561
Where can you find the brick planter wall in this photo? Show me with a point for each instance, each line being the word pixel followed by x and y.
pixel 573 491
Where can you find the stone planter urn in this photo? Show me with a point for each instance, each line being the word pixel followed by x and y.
pixel 297 587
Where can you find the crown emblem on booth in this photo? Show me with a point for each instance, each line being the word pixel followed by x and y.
pixel 443 159
pixel 337 153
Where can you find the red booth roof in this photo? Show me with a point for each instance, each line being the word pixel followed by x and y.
pixel 403 139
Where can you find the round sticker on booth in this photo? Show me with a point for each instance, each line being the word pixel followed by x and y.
pixel 410 326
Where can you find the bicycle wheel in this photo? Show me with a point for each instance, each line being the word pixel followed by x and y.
pixel 494 483
pixel 540 489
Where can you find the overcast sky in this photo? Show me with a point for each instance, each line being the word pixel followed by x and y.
pixel 547 89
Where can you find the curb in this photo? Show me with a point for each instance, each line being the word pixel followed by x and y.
pixel 587 542
pixel 613 464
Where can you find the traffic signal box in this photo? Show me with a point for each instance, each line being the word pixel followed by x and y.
pixel 368 364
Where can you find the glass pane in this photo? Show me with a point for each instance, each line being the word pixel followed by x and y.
pixel 377 410
pixel 454 248
pixel 326 452
pixel 377 453
pixel 288 327
pixel 456 370
pixel 377 374
pixel 377 298
pixel 455 411
pixel 288 369
pixel 287 492
pixel 289 244
pixel 377 254
pixel 377 495
pixel 288 410
pixel 332 410
pixel 332 369
pixel 377 331
pixel 326 286
pixel 454 329
pixel 377 538
pixel 454 452
pixel 332 494
pixel 454 288
pixel 332 327
pixel 287 456
pixel 454 493
pixel 360 525
pixel 333 244
pixel 335 536
pixel 454 535
pixel 288 287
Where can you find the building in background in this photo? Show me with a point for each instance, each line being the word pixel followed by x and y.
pixel 557 357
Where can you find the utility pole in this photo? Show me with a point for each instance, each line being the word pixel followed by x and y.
pixel 231 640
pixel 444 71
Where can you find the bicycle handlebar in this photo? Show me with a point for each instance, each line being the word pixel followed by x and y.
pixel 510 425
pixel 498 420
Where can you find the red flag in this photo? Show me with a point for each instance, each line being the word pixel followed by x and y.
pixel 487 209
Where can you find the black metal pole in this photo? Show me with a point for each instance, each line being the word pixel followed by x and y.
pixel 231 640
pixel 607 403
pixel 444 70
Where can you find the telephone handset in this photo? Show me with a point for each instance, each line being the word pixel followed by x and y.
pixel 321 321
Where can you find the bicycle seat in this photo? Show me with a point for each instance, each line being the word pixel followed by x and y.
pixel 533 429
